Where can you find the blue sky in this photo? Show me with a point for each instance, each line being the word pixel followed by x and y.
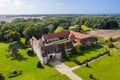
pixel 59 6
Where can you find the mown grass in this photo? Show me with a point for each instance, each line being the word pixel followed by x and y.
pixel 28 66
pixel 84 54
pixel 106 68
pixel 85 28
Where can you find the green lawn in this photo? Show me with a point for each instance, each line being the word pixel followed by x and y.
pixel 85 54
pixel 85 28
pixel 107 68
pixel 28 66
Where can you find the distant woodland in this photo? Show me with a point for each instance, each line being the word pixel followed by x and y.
pixel 26 28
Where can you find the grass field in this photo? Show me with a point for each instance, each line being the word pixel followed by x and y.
pixel 85 28
pixel 85 54
pixel 107 68
pixel 28 66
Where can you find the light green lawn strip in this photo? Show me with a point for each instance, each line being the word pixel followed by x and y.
pixel 61 77
pixel 85 28
pixel 27 65
pixel 106 68
pixel 70 63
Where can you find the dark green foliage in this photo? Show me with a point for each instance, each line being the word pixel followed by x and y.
pixel 39 65
pixel 111 24
pixel 30 52
pixel 68 55
pixel 110 39
pixel 110 45
pixel 27 28
pixel 13 48
pixel 12 36
pixel 1 75
pixel 76 61
pixel 14 73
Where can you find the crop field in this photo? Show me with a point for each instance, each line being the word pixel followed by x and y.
pixel 105 33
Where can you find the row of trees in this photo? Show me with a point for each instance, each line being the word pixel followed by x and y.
pixel 36 27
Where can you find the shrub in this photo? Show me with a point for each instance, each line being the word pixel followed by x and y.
pixel 110 45
pixel 91 76
pixel 87 64
pixel 14 73
pixel 30 52
pixel 1 75
pixel 106 40
pixel 68 55
pixel 110 39
pixel 39 65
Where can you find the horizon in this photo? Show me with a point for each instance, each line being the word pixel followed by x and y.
pixel 18 7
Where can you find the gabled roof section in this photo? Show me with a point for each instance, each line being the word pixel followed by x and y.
pixel 34 41
pixel 79 35
pixel 56 35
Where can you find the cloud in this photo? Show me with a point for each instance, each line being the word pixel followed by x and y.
pixel 31 7
pixel 59 4
pixel 4 3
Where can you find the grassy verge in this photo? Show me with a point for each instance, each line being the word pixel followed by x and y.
pixel 28 66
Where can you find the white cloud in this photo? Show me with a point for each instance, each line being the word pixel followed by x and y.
pixel 4 3
pixel 31 7
pixel 59 4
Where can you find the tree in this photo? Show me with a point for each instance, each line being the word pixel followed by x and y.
pixel 59 29
pixel 111 24
pixel 13 48
pixel 13 36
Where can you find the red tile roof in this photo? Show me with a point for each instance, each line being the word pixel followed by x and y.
pixel 56 35
pixel 34 40
pixel 79 35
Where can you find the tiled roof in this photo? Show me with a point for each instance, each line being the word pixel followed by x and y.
pixel 57 48
pixel 65 34
pixel 56 35
pixel 79 35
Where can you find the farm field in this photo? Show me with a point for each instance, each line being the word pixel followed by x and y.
pixel 28 65
pixel 105 33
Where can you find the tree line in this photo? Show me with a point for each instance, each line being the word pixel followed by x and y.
pixel 27 28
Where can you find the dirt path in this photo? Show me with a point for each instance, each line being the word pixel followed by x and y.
pixel 63 69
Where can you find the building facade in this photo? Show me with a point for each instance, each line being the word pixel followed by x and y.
pixel 54 46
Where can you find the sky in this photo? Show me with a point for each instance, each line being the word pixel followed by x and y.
pixel 59 7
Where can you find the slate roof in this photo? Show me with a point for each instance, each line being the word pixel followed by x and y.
pixel 57 48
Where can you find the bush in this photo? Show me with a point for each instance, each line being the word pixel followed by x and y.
pixel 91 76
pixel 1 75
pixel 30 52
pixel 110 39
pixel 39 65
pixel 14 73
pixel 110 45
pixel 68 55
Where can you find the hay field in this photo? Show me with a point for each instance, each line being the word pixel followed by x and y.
pixel 103 33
